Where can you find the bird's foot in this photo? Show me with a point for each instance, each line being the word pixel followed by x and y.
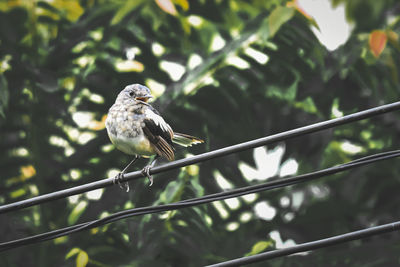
pixel 118 179
pixel 146 172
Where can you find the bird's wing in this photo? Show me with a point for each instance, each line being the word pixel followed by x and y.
pixel 159 133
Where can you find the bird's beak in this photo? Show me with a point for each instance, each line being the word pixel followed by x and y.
pixel 144 98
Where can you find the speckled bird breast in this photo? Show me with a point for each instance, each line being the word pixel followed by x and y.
pixel 124 127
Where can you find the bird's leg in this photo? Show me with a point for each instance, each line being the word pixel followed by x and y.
pixel 118 178
pixel 146 170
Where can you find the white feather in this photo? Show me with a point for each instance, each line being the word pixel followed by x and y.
pixel 158 120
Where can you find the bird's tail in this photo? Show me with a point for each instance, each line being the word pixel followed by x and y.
pixel 186 140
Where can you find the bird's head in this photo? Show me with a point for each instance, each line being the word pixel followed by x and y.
pixel 136 92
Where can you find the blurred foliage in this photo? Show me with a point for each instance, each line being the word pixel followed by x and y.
pixel 242 70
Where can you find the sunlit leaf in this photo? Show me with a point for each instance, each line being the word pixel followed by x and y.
pixel 72 9
pixel 18 193
pixel 183 3
pixel 297 5
pixel 94 231
pixel 307 105
pixel 393 38
pixel 27 172
pixel 125 9
pixel 61 240
pixel 72 252
pixel 129 65
pixel 278 17
pixel 260 246
pixel 7 5
pixel 185 25
pixel 167 6
pixel 77 212
pixel 5 64
pixel 377 42
pixel 192 169
pixel 98 125
pixel 82 259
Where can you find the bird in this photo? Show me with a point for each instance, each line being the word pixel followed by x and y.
pixel 136 128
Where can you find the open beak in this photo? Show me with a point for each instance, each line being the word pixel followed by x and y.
pixel 144 98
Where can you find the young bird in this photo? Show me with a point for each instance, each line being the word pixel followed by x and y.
pixel 136 128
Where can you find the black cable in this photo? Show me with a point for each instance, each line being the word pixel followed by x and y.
pixel 321 243
pixel 205 156
pixel 200 200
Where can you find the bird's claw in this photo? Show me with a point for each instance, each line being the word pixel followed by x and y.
pixel 146 172
pixel 118 179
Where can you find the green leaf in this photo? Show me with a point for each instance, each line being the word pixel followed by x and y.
pixel 77 212
pixel 278 17
pixel 124 10
pixel 4 95
pixel 264 30
pixel 172 192
pixel 259 247
pixel 193 80
pixel 307 105
pixel 18 193
pixel 72 252
pixel 82 259
pixel 288 94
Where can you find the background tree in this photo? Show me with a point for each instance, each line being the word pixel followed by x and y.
pixel 241 70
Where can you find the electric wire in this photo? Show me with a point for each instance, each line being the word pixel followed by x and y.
pixel 205 156
pixel 313 245
pixel 200 200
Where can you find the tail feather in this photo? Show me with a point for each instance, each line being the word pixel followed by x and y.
pixel 186 140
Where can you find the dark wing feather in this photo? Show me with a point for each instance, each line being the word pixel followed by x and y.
pixel 159 133
pixel 161 146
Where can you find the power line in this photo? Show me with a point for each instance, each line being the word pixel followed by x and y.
pixel 321 243
pixel 200 200
pixel 205 156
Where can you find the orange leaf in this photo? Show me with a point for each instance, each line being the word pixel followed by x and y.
pixel 167 6
pixel 98 125
pixel 377 42
pixel 27 172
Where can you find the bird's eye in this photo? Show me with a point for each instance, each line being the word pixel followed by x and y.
pixel 131 94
